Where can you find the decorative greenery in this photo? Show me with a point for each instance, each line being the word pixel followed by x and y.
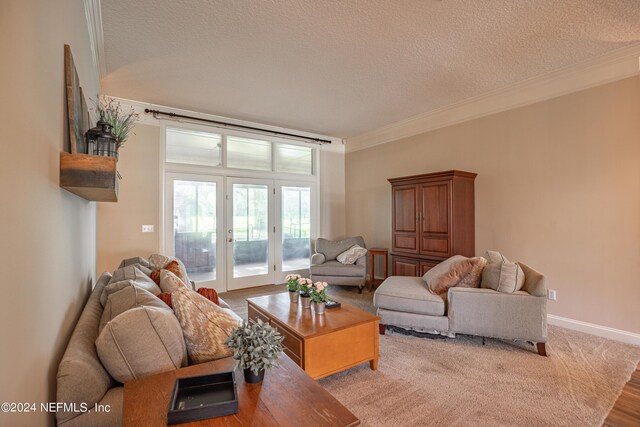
pixel 256 346
pixel 319 292
pixel 292 282
pixel 121 120
pixel 305 287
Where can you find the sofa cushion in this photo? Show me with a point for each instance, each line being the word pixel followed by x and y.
pixel 131 296
pixel 140 342
pixel 146 284
pixel 331 249
pixel 206 326
pixel 81 376
pixel 408 294
pixel 130 272
pixel 134 261
pixel 335 268
pixel 455 271
pixel 351 255
pixel 501 275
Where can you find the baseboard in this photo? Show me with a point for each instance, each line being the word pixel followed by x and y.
pixel 593 329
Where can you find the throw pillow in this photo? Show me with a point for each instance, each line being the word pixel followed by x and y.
pixel 169 282
pixel 501 275
pixel 210 294
pixel 351 255
pixel 131 296
pixel 455 271
pixel 205 325
pixel 166 298
pixel 130 273
pixel 140 342
pixel 158 262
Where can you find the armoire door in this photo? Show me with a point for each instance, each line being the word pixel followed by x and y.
pixel 435 219
pixel 405 219
pixel 405 266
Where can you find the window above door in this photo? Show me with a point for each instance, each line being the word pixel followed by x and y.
pixel 236 150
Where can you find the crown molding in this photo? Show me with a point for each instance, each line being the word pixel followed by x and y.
pixel 337 144
pixel 616 65
pixel 93 13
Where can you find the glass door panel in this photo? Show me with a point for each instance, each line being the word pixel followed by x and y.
pixel 296 228
pixel 250 239
pixel 194 226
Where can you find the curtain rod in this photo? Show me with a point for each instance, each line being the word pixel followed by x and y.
pixel 216 122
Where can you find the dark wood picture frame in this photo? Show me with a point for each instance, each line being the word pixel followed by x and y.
pixel 77 111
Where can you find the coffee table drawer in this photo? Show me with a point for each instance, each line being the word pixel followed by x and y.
pixel 254 315
pixel 290 342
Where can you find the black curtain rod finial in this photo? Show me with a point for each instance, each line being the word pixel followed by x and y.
pixel 220 123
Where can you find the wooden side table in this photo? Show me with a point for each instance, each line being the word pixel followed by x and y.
pixel 372 256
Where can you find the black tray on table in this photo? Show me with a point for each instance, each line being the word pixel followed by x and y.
pixel 202 397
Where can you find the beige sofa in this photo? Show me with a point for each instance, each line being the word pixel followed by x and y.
pixel 406 302
pixel 81 378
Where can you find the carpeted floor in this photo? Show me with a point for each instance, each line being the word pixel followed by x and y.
pixel 461 382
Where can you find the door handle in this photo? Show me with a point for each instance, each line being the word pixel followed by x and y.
pixel 230 240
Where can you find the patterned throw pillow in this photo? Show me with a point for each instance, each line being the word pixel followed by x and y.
pixel 351 255
pixel 458 271
pixel 169 282
pixel 205 325
pixel 158 262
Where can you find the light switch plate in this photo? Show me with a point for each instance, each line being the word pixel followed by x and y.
pixel 552 294
pixel 147 228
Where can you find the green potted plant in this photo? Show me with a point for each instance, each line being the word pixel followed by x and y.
pixel 120 120
pixel 305 291
pixel 256 347
pixel 293 287
pixel 319 296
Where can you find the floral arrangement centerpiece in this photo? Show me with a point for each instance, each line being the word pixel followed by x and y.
pixel 305 285
pixel 293 286
pixel 319 296
pixel 256 347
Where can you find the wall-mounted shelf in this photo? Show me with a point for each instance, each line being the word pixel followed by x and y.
pixel 91 177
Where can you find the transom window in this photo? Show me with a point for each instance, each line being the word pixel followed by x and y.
pixel 193 147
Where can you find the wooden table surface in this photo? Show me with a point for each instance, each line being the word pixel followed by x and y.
pixel 287 397
pixel 306 323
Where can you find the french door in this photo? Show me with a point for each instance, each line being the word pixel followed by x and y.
pixel 194 226
pixel 250 235
pixel 237 232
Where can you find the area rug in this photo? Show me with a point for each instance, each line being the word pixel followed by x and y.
pixel 468 381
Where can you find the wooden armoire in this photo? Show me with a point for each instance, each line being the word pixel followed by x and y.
pixel 433 219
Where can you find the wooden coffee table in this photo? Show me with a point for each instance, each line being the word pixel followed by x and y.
pixel 320 344
pixel 286 397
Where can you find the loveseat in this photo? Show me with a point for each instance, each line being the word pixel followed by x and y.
pixel 406 302
pixel 82 378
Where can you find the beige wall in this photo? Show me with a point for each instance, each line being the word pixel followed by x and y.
pixel 47 235
pixel 120 224
pixel 558 187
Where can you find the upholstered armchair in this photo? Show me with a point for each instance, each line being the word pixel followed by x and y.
pixel 325 266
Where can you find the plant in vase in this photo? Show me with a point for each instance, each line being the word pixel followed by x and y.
pixel 293 286
pixel 120 120
pixel 319 296
pixel 256 347
pixel 305 291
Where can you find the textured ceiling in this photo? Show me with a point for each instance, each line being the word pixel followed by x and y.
pixel 342 68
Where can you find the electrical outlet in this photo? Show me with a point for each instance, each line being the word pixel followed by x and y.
pixel 147 228
pixel 551 294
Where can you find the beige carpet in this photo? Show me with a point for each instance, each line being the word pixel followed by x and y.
pixel 461 382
